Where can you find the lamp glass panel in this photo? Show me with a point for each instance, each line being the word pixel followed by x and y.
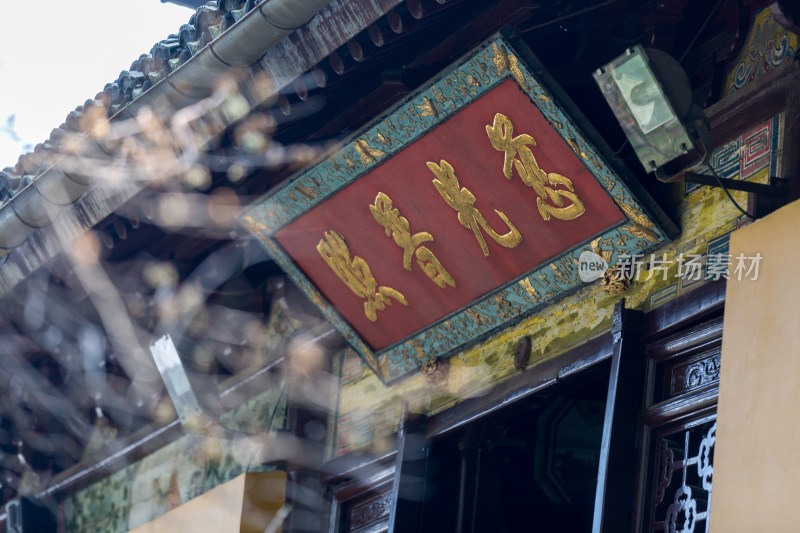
pixel 638 101
pixel 642 93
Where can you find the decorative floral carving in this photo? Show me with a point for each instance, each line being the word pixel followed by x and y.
pixel 435 370
pixel 614 280
pixel 697 374
pixel 702 372
pixel 370 511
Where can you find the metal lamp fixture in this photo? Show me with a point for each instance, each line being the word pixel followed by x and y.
pixel 651 97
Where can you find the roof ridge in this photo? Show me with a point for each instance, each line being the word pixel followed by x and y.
pixel 206 24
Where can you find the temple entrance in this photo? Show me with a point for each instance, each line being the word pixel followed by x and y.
pixel 532 466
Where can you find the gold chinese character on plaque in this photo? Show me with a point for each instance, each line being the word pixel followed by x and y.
pixel 461 199
pixel 398 229
pixel 551 201
pixel 355 273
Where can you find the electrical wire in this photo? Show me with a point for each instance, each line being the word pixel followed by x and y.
pixel 568 16
pixel 616 153
pixel 727 192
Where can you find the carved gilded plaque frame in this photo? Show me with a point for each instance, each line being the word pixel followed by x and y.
pixel 641 230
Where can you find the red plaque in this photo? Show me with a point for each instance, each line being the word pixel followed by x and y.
pixel 407 180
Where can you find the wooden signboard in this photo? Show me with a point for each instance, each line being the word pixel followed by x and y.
pixel 462 209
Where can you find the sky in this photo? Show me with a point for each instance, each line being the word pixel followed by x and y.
pixel 56 54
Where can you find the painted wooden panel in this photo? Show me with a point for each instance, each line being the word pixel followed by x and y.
pixel 768 45
pixel 496 193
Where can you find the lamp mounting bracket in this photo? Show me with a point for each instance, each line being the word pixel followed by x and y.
pixel 776 188
pixel 766 197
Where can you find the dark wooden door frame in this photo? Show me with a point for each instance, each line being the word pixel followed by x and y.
pixel 680 314
pixel 616 476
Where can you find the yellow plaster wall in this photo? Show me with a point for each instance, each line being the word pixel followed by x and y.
pixel 246 504
pixel 756 482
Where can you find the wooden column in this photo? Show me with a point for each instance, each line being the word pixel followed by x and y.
pixel 616 476
pixel 410 488
pixel 306 421
pixel 468 482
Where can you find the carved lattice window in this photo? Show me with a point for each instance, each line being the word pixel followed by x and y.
pixel 681 496
pixel 680 430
